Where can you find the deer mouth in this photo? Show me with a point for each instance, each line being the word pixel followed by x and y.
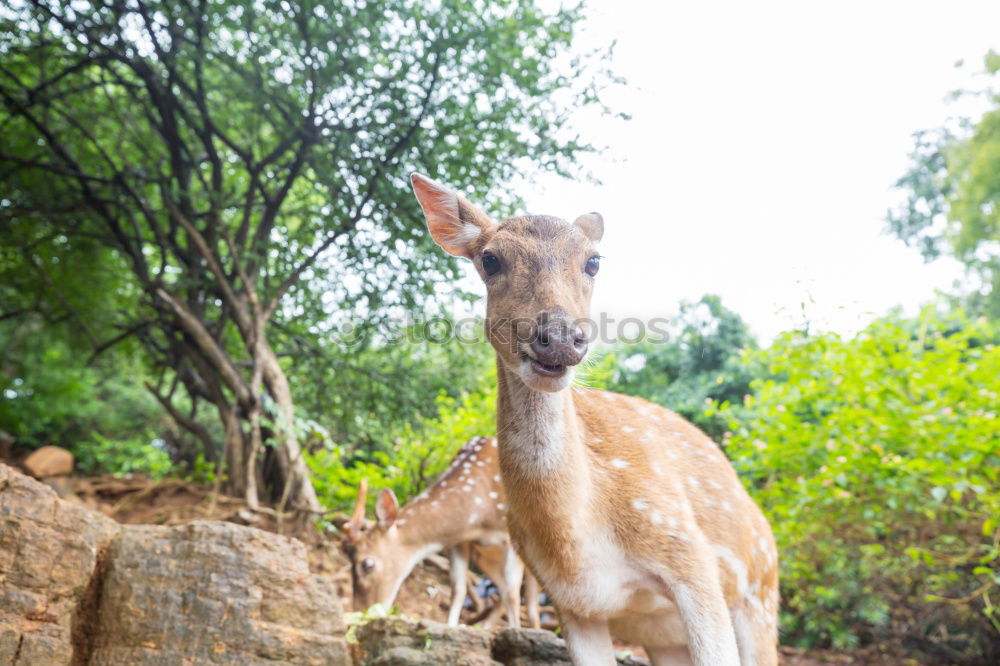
pixel 547 370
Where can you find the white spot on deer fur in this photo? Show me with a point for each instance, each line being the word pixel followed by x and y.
pixel 494 443
pixel 693 481
pixel 467 489
pixel 598 440
pixel 501 506
pixel 496 477
pixel 479 463
pixel 473 517
pixel 619 463
pixel 656 518
pixel 640 504
pixel 738 567
pixel 709 502
pixel 479 500
pixel 401 522
pixel 657 469
pixel 712 483
pixel 672 522
pixel 494 494
pixel 726 505
pixel 648 435
pixel 434 502
pixel 628 429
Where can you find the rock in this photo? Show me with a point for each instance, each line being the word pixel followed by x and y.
pixel 214 592
pixel 529 647
pixel 50 552
pixel 394 641
pixel 48 461
pixel 77 588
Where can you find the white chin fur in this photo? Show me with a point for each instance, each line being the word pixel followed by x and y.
pixel 537 382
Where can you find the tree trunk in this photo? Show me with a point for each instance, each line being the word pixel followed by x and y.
pixel 299 488
pixel 233 447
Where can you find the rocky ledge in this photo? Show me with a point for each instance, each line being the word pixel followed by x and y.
pixel 77 588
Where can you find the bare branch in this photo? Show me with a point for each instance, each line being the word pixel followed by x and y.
pixel 195 329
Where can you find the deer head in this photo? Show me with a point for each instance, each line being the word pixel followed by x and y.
pixel 539 275
pixel 376 570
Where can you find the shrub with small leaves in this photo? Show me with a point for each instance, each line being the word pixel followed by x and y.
pixel 877 461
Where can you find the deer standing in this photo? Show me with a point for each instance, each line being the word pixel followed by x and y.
pixel 463 511
pixel 631 518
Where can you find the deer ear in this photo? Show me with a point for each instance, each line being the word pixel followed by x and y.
pixel 592 226
pixel 352 528
pixel 386 508
pixel 454 223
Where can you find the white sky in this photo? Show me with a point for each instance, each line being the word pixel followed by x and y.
pixel 760 159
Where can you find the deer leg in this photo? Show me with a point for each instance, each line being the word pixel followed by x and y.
pixel 494 560
pixel 588 641
pixel 531 596
pixel 459 556
pixel 711 638
pixel 510 591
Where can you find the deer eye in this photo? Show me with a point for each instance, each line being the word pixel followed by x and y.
pixel 593 265
pixel 367 564
pixel 491 263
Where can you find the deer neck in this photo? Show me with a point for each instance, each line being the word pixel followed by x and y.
pixel 541 435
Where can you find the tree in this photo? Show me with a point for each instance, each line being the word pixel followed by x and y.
pixel 702 362
pixel 952 198
pixel 245 164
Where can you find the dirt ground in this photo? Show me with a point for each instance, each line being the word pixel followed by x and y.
pixel 137 500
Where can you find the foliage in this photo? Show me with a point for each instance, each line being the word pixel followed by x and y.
pixel 378 388
pixel 952 198
pixel 877 461
pixel 416 456
pixel 50 394
pixel 701 362
pixel 143 454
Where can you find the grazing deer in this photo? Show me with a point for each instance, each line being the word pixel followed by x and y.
pixel 633 521
pixel 463 509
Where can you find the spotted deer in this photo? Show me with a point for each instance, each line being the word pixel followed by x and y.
pixel 631 518
pixel 464 512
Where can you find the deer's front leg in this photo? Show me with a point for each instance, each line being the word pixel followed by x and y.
pixel 531 600
pixel 711 638
pixel 588 640
pixel 459 556
pixel 513 572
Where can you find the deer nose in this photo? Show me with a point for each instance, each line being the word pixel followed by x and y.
pixel 559 342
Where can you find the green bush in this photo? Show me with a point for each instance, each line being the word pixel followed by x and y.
pixel 418 453
pixel 136 455
pixel 877 461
